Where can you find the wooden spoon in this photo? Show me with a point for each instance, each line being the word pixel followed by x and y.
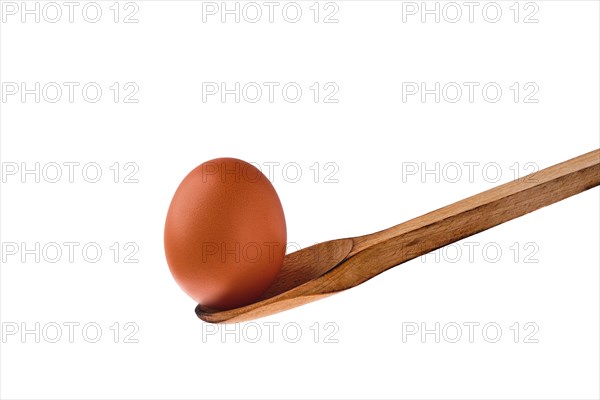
pixel 330 267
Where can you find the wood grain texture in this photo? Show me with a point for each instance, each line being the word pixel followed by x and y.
pixel 345 263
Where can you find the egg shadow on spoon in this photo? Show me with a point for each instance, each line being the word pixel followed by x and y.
pixel 286 291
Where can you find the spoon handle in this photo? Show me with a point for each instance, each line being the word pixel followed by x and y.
pixel 377 252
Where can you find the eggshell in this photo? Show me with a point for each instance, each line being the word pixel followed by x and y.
pixel 225 234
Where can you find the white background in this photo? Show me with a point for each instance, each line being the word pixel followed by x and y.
pixel 370 135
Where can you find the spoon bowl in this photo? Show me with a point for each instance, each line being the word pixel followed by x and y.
pixel 298 268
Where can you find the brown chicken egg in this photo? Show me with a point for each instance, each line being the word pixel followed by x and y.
pixel 225 234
